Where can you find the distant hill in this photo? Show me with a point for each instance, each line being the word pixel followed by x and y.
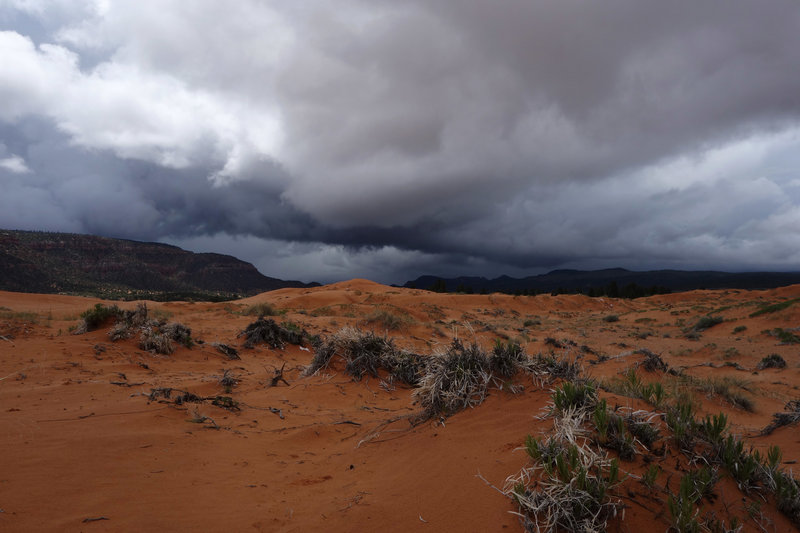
pixel 45 262
pixel 597 282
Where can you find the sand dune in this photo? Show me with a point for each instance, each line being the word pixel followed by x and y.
pixel 86 448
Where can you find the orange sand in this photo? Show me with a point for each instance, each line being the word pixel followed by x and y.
pixel 80 439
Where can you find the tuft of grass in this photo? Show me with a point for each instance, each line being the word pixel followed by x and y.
pixel 574 396
pixel 454 380
pixel 507 358
pixel 611 318
pixel 739 329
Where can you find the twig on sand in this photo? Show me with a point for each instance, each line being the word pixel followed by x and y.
pixel 480 476
pixel 7 339
pixel 95 519
pixel 347 422
pixel 278 377
pixel 278 412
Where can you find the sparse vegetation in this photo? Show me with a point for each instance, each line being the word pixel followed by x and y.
pixel 389 320
pixel 263 309
pixel 783 335
pixel 774 308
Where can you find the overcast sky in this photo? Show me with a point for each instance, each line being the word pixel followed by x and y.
pixel 328 140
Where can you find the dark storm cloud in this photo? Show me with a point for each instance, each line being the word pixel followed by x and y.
pixel 386 139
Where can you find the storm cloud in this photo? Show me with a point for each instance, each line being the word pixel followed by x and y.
pixel 383 139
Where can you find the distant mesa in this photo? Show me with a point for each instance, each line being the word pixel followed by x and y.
pixel 616 282
pixel 48 263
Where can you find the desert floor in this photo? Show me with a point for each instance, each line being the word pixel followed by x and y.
pixel 85 448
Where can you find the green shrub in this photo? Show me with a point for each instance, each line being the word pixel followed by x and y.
pixel 611 318
pixel 97 316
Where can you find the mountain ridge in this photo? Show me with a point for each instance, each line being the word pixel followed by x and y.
pixel 71 263
pixel 585 281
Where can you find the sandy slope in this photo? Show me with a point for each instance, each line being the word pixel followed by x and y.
pixel 81 439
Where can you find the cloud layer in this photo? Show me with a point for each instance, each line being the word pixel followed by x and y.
pixel 386 139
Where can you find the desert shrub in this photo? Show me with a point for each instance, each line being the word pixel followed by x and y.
pixel 367 353
pixel 506 358
pixel 228 381
pixel 179 333
pixel 267 331
pixel 772 361
pixel 322 357
pixel 739 329
pixel 652 361
pixel 531 322
pixel 153 340
pixel 95 317
pixel 454 380
pixel 404 366
pixel 262 309
pixel 611 318
pixel 569 488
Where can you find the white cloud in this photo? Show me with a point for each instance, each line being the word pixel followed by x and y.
pixel 14 164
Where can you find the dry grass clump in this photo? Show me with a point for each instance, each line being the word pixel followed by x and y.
pixel 153 340
pixel 367 353
pixel 454 380
pixel 154 335
pixel 267 331
pixel 791 415
pixel 569 486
